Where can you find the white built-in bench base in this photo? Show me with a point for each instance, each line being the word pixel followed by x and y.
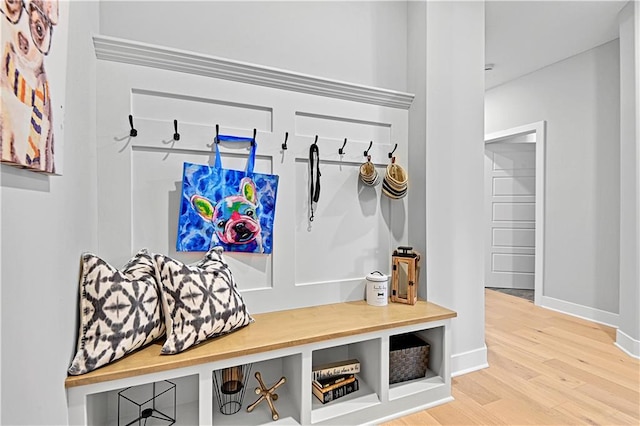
pixel 285 343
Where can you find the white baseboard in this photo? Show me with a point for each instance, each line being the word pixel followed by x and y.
pixel 580 311
pixel 467 362
pixel 628 344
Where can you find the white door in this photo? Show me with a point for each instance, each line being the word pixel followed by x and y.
pixel 510 189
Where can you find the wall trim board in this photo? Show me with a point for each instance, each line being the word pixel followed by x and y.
pixel 468 362
pixel 628 344
pixel 585 312
pixel 162 57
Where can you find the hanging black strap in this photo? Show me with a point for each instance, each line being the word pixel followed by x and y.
pixel 314 171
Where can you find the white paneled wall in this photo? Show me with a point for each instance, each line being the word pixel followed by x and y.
pixel 355 228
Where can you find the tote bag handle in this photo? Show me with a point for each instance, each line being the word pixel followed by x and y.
pixel 237 139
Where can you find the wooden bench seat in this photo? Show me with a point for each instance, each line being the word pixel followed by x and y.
pixel 271 331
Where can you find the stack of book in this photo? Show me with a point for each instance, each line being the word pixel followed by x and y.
pixel 335 380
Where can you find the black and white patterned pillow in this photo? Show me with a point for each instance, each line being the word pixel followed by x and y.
pixel 120 311
pixel 199 301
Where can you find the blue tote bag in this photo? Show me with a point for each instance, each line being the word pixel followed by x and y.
pixel 233 209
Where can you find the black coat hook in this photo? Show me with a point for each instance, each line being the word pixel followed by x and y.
pixel 133 131
pixel 176 135
pixel 366 153
pixel 286 136
pixel 315 142
pixel 253 141
pixel 341 150
pixel 394 150
pixel 217 131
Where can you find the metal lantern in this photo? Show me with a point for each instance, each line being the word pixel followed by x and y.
pixel 404 276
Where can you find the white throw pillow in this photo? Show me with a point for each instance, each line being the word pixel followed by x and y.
pixel 120 310
pixel 199 301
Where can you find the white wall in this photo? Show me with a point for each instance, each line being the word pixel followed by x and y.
pixel 579 99
pixel 628 336
pixel 453 161
pixel 47 222
pixel 364 42
pixel 357 41
pixel 355 228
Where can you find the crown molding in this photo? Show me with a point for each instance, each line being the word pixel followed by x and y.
pixel 162 57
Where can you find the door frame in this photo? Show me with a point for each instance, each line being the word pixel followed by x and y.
pixel 539 129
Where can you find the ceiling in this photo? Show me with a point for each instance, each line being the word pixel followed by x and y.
pixel 525 36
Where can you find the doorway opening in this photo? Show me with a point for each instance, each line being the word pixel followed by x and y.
pixel 514 209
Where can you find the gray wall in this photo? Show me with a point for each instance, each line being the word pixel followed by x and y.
pixel 47 222
pixel 629 180
pixel 452 161
pixel 580 100
pixel 417 84
pixel 363 42
pixel 454 170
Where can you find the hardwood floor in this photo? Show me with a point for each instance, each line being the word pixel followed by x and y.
pixel 545 368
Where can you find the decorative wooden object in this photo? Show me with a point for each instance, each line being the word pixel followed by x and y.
pixel 405 275
pixel 267 394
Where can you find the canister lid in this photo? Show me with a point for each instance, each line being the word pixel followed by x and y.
pixel 376 276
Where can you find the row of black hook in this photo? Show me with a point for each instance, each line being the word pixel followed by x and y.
pixel 365 153
pixel 253 139
pixel 176 137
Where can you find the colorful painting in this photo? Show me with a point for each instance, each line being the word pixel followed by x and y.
pixel 32 83
pixel 229 208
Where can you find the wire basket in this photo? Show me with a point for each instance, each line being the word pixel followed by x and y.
pixel 138 404
pixel 229 386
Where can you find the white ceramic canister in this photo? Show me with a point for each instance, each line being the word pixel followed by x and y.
pixel 377 284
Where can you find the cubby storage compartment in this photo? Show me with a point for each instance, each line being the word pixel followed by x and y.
pixel 112 408
pixel 368 352
pixel 435 374
pixel 289 396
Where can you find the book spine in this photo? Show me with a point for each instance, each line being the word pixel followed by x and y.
pixel 324 383
pixel 333 386
pixel 336 393
pixel 336 371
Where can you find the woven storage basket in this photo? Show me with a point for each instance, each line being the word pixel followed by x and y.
pixel 396 176
pixel 408 358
